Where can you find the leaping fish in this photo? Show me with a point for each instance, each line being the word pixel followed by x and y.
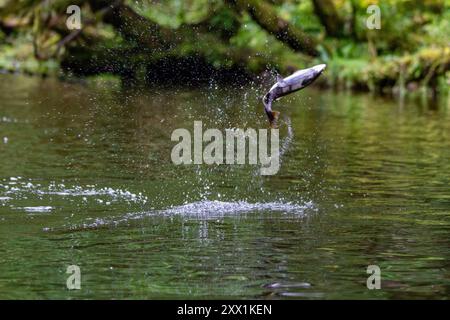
pixel 296 81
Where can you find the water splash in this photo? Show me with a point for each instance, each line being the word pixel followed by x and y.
pixel 205 210
pixel 33 196
pixel 287 141
pixel 39 209
pixel 222 208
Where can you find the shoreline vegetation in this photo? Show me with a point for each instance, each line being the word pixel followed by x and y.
pixel 192 42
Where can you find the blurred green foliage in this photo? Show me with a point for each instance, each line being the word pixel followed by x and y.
pixel 413 43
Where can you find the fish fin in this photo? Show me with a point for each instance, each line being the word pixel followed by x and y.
pixel 281 81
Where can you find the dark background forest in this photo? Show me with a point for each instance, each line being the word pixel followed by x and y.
pixel 193 41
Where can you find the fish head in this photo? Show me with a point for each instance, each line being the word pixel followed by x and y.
pixel 312 74
pixel 319 68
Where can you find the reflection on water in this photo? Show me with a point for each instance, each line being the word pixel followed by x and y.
pixel 86 179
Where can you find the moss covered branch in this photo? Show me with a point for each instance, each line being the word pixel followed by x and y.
pixel 266 16
pixel 329 17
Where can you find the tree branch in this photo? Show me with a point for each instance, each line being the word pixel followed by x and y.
pixel 328 15
pixel 265 15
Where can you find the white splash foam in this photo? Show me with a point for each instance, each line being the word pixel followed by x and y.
pixel 204 210
pixel 42 209
pixel 221 208
pixel 8 120
pixel 19 188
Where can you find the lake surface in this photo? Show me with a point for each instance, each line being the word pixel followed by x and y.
pixel 86 179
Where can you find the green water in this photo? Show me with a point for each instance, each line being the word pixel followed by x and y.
pixel 86 179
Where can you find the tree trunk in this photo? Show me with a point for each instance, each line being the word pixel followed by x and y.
pixel 134 27
pixel 328 15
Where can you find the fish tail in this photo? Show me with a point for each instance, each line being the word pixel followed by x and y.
pixel 273 118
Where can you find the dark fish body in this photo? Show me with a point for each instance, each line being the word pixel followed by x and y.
pixel 297 81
